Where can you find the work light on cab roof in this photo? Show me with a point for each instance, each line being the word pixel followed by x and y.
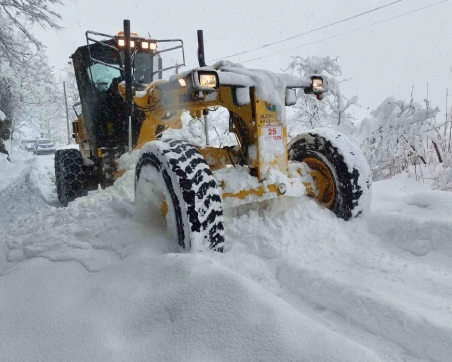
pixel 135 40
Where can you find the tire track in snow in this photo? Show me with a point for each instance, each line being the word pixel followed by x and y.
pixel 305 254
pixel 365 308
pixel 419 224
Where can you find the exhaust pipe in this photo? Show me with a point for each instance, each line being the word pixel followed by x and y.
pixel 160 67
pixel 201 56
pixel 128 78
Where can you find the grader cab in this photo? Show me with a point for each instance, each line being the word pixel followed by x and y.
pixel 188 186
pixel 102 126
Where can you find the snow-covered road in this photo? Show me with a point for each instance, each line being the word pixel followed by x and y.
pixel 97 282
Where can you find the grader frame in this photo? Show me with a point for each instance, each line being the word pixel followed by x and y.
pixel 322 163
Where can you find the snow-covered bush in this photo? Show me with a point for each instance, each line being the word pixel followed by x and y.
pixel 444 179
pixel 397 135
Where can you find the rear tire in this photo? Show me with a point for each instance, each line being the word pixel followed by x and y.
pixel 346 164
pixel 57 171
pixel 174 173
pixel 70 176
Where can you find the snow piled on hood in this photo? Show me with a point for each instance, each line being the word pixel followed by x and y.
pixel 270 87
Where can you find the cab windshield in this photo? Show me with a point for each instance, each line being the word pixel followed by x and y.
pixel 143 69
pixel 102 75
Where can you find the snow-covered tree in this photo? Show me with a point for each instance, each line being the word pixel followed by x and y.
pixel 8 98
pixel 5 131
pixel 27 83
pixel 16 19
pixel 38 98
pixel 333 111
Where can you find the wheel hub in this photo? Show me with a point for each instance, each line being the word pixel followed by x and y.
pixel 323 180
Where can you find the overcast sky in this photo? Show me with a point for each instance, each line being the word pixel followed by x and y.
pixel 383 60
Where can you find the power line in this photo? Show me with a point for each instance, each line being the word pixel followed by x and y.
pixel 347 32
pixel 308 32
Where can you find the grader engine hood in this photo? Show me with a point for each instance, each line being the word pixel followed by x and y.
pixel 276 89
pixel 200 88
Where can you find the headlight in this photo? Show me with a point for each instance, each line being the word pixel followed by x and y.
pixel 204 80
pixel 201 81
pixel 317 85
pixel 144 45
pixel 207 80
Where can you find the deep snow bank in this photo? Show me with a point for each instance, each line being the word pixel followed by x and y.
pixel 10 170
pixel 105 288
pixel 414 218
pixel 168 308
pixel 28 188
pixel 95 281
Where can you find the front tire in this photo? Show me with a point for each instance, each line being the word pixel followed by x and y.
pixel 336 157
pixel 173 173
pixel 70 177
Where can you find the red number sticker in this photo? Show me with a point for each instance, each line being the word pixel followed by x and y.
pixel 272 133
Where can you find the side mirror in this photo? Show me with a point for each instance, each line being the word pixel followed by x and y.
pixel 291 97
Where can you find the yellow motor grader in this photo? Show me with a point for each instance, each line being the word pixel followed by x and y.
pixel 190 185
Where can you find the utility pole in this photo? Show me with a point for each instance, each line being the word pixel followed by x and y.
pixel 67 114
pixel 449 116
pixel 445 123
